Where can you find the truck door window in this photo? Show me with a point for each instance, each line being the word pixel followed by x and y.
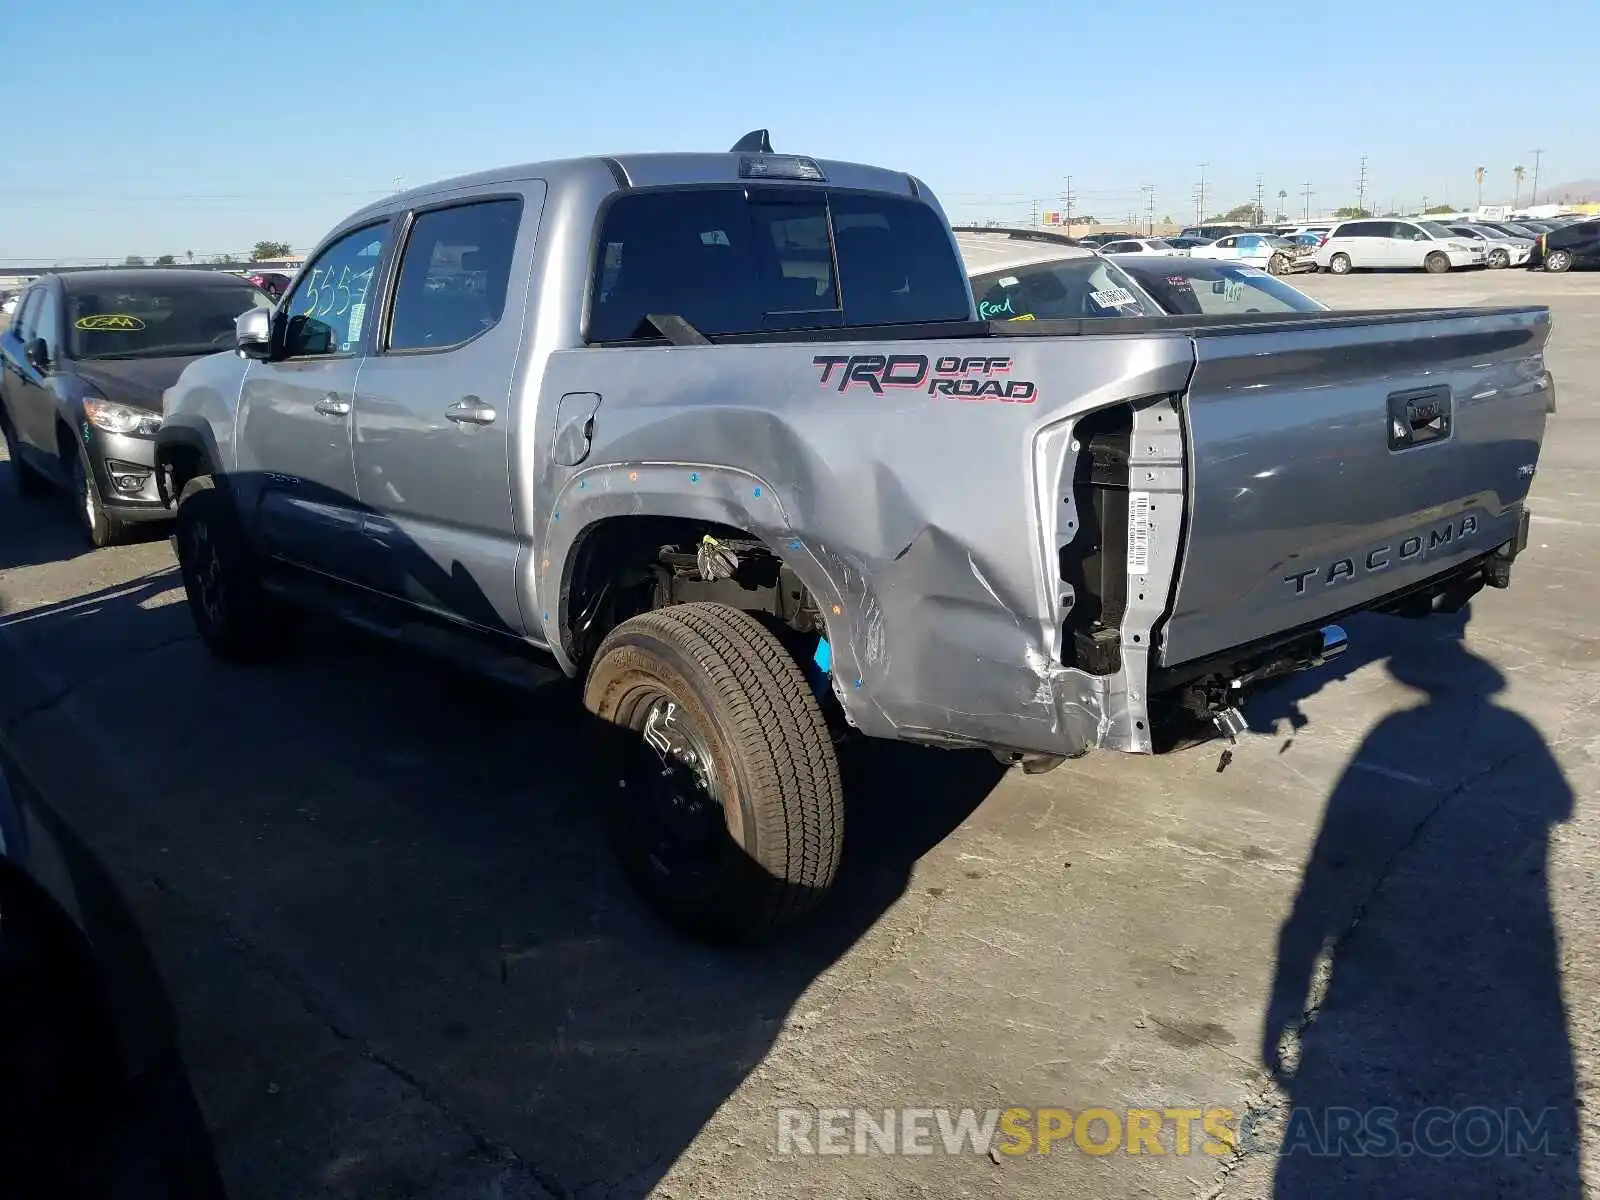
pixel 330 303
pixel 454 274
pixel 731 265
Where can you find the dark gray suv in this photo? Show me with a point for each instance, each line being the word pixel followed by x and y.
pixel 82 368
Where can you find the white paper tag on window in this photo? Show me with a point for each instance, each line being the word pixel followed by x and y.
pixel 1112 297
pixel 1138 533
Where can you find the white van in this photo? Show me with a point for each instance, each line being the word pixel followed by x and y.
pixel 1425 245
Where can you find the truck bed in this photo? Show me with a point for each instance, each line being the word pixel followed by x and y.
pixel 1018 526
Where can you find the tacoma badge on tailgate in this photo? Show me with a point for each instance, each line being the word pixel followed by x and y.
pixel 1379 558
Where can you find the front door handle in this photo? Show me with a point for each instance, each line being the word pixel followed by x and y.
pixel 331 406
pixel 469 410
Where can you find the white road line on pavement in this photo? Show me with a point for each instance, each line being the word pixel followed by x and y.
pixel 174 595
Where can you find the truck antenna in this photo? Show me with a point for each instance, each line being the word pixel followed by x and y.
pixel 754 142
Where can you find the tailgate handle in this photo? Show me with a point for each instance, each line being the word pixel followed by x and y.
pixel 1418 417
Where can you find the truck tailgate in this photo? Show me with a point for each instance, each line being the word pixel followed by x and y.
pixel 1331 465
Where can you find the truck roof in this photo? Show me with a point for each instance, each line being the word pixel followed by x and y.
pixel 655 170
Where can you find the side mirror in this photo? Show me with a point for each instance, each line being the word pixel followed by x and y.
pixel 38 354
pixel 252 333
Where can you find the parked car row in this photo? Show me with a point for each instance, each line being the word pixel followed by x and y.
pixel 1279 255
pixel 1387 243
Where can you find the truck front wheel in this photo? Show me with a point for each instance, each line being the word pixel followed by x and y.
pixel 724 801
pixel 235 617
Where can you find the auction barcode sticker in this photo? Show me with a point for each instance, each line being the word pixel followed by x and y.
pixel 1138 532
pixel 1112 297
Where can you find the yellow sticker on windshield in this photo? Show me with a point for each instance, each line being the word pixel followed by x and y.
pixel 104 322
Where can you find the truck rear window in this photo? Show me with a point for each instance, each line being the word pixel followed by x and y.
pixel 728 261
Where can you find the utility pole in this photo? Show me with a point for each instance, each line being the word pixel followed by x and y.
pixel 1261 214
pixel 1067 197
pixel 1534 198
pixel 1361 188
pixel 1200 196
pixel 1305 190
pixel 1033 221
pixel 1149 190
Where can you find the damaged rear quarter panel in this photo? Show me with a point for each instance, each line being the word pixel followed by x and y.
pixel 926 525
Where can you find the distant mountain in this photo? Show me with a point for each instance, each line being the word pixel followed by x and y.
pixel 1579 191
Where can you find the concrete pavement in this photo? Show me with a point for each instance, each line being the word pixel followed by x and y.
pixel 404 965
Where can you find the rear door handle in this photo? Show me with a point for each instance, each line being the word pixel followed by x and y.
pixel 469 410
pixel 331 406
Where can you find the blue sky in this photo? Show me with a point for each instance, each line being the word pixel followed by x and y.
pixel 201 126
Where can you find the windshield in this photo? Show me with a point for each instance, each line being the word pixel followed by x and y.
pixel 1521 231
pixel 1443 232
pixel 169 320
pixel 1489 231
pixel 1194 286
pixel 1159 244
pixel 1072 287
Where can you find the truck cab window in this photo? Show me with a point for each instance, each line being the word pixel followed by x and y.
pixel 731 265
pixel 454 274
pixel 329 306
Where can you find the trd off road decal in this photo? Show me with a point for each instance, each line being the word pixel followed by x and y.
pixel 972 378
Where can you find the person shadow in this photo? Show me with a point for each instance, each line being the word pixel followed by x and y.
pixel 1416 1024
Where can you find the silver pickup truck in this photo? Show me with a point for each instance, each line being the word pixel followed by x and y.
pixel 722 435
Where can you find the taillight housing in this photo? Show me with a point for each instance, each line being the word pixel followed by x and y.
pixel 1322 240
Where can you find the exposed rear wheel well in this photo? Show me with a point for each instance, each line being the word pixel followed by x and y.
pixel 625 566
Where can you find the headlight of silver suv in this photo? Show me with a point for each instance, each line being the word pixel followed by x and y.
pixel 120 418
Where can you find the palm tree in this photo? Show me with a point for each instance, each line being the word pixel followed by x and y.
pixel 189 254
pixel 1283 204
pixel 1478 175
pixel 1517 194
